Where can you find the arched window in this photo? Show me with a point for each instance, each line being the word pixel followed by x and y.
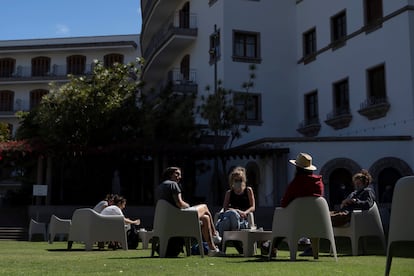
pixel 7 67
pixel 185 16
pixel 40 66
pixel 110 59
pixel 6 100
pixel 36 97
pixel 75 64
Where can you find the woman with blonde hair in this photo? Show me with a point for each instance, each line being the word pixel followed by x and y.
pixel 238 203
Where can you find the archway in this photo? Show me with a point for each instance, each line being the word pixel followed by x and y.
pixel 336 172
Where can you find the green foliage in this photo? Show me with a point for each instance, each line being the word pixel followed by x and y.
pixel 4 132
pixel 108 108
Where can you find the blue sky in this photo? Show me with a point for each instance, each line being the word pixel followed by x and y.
pixel 27 19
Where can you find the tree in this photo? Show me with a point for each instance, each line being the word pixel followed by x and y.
pixel 88 110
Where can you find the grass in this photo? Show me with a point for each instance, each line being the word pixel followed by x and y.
pixel 41 258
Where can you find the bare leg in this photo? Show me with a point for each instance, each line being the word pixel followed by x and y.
pixel 203 210
pixel 206 231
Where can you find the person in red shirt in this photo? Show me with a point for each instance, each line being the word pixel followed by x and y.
pixel 305 183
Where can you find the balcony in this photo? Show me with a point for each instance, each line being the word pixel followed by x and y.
pixel 183 84
pixel 309 127
pixel 165 45
pixel 153 14
pixel 56 72
pixel 339 118
pixel 374 107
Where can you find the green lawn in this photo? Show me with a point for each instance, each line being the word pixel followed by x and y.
pixel 41 258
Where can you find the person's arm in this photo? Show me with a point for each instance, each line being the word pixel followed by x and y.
pixel 226 201
pixel 129 221
pixel 180 202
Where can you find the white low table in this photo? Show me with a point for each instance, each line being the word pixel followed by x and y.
pixel 145 237
pixel 248 237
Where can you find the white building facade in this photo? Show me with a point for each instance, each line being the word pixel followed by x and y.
pixel 27 67
pixel 334 79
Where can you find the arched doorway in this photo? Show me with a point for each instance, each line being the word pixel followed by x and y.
pixel 336 172
pixel 340 185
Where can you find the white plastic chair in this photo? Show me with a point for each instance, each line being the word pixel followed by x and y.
pixel 58 226
pixel 303 217
pixel 89 227
pixel 401 231
pixel 169 222
pixel 36 227
pixel 363 223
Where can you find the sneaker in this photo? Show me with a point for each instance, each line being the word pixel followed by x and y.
pixel 308 252
pixel 304 241
pixel 217 239
pixel 216 253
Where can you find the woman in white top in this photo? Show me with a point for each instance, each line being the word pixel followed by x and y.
pixel 116 209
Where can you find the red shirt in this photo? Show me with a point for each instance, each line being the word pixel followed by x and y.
pixel 301 186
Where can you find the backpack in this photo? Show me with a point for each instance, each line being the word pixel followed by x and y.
pixel 133 237
pixel 175 246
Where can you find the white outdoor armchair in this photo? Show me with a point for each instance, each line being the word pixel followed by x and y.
pixel 169 222
pixel 401 232
pixel 58 226
pixel 303 217
pixel 363 223
pixel 89 227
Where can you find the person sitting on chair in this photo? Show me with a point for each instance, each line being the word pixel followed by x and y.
pixel 170 190
pixel 238 203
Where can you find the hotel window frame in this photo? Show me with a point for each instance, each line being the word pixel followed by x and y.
pixel 311 108
pixel 112 58
pixel 6 101
pixel 7 67
pixel 339 28
pixel 40 66
pixel 341 103
pixel 373 13
pixel 36 96
pixel 376 82
pixel 309 44
pixel 246 46
pixel 76 64
pixel 243 101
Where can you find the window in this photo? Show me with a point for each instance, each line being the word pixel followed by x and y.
pixel 76 64
pixel 341 97
pixel 184 16
pixel 36 97
pixel 311 108
pixel 215 46
pixel 6 100
pixel 376 83
pixel 40 66
pixel 373 11
pixel 110 59
pixel 249 104
pixel 338 26
pixel 185 68
pixel 6 67
pixel 309 42
pixel 246 46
